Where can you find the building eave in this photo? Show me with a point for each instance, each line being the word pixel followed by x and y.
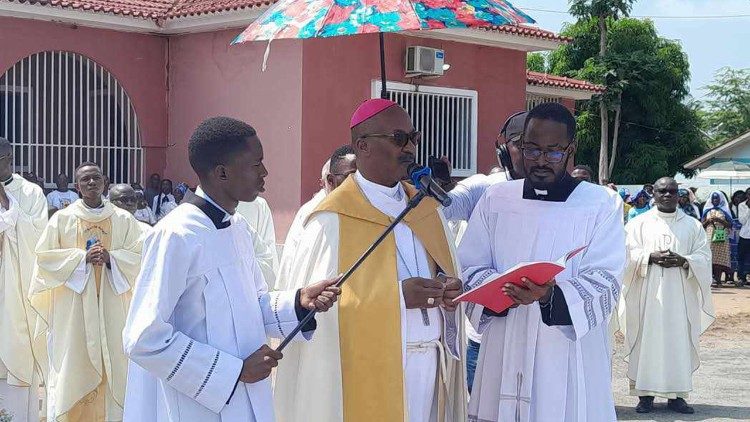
pixel 91 19
pixel 490 38
pixel 696 163
pixel 548 91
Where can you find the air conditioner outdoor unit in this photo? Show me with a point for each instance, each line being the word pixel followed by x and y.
pixel 424 61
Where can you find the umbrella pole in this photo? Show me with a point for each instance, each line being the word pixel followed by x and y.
pixel 383 89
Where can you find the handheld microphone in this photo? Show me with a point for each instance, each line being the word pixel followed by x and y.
pixel 422 179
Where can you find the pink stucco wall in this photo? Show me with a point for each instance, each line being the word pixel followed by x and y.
pixel 137 61
pixel 208 77
pixel 337 76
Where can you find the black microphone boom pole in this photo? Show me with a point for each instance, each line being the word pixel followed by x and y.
pixel 413 202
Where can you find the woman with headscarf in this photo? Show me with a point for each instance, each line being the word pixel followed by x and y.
pixel 686 205
pixel 640 204
pixel 625 195
pixel 717 220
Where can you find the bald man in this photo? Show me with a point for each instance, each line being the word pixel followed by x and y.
pixel 666 301
pixel 23 215
pixel 124 196
pixel 390 350
pixel 341 165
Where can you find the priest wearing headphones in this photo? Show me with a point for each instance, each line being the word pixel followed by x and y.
pixel 466 194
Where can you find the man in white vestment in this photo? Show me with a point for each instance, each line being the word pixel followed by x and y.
pixel 87 260
pixel 341 165
pixel 23 216
pixel 546 359
pixel 260 218
pixel 666 301
pixel 389 351
pixel 201 310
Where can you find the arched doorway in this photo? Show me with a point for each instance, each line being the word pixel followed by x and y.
pixel 59 109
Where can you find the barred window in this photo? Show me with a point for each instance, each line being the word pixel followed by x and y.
pixel 447 118
pixel 533 100
pixel 59 109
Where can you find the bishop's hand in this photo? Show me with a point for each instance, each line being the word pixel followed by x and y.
pixel 422 293
pixel 529 292
pixel 453 289
pixel 258 365
pixel 320 296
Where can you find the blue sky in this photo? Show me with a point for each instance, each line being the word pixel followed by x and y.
pixel 710 43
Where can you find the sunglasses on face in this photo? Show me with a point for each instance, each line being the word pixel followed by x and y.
pixel 399 137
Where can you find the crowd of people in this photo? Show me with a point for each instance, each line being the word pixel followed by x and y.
pixel 156 304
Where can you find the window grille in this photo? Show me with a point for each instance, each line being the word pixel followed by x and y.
pixel 59 109
pixel 447 118
pixel 533 100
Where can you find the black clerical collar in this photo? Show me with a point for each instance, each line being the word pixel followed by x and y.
pixel 9 181
pixel 557 192
pixel 212 211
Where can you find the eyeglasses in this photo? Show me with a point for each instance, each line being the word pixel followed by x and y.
pixel 399 137
pixel 535 154
pixel 344 175
pixel 5 156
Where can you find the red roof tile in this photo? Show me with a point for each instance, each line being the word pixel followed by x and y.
pixel 531 32
pixel 537 78
pixel 199 7
pixel 151 9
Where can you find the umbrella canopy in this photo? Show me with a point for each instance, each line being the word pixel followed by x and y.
pixel 727 170
pixel 329 18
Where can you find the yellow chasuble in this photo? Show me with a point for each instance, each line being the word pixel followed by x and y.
pixel 83 309
pixel 369 312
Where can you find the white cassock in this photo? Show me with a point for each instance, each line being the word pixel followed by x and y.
pixel 83 308
pixel 20 227
pixel 425 349
pixel 664 310
pixel 260 218
pixel 293 237
pixel 529 370
pixel 200 308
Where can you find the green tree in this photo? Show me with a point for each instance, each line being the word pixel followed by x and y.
pixel 654 129
pixel 603 13
pixel 536 62
pixel 726 111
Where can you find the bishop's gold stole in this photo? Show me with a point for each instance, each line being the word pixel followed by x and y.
pixel 369 308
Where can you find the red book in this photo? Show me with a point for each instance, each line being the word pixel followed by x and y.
pixel 490 293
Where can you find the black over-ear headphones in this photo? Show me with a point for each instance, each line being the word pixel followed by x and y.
pixel 503 156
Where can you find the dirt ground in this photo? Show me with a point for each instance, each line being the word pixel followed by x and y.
pixel 721 386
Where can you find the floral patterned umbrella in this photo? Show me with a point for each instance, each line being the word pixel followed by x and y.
pixel 330 18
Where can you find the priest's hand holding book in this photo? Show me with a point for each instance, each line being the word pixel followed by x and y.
pixel 529 292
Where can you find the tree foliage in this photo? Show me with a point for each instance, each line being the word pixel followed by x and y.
pixel 726 111
pixel 647 79
pixel 536 62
